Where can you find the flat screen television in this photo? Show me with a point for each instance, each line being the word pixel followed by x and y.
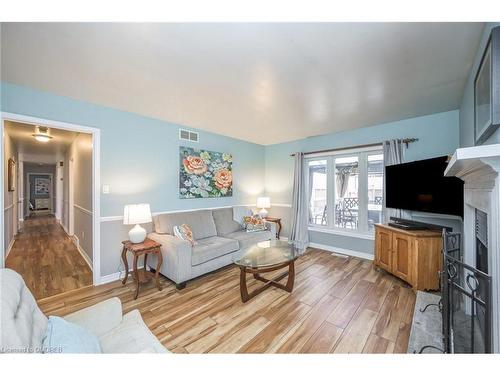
pixel 421 186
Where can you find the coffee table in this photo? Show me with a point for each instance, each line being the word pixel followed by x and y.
pixel 267 256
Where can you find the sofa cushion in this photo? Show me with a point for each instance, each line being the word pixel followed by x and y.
pixel 247 239
pixel 224 221
pixel 201 223
pixel 131 336
pixel 22 324
pixel 66 337
pixel 211 248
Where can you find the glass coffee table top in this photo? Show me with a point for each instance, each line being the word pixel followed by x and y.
pixel 267 254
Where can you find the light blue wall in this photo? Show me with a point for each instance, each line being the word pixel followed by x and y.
pixel 467 106
pixel 438 135
pixel 139 160
pixel 140 155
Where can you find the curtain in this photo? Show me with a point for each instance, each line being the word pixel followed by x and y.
pixel 299 234
pixel 393 154
pixel 310 173
pixel 343 180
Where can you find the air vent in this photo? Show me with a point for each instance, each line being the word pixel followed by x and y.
pixel 482 227
pixel 186 135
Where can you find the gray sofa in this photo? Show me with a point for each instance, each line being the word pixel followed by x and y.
pixel 218 237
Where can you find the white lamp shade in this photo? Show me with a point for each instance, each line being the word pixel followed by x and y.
pixel 264 202
pixel 136 214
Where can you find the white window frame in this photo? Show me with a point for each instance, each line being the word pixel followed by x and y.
pixel 362 231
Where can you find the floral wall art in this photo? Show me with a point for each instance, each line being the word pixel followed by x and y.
pixel 205 174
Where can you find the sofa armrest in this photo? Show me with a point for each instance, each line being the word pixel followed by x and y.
pixel 272 227
pixel 99 318
pixel 176 257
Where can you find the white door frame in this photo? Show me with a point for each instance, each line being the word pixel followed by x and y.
pixel 96 177
pixel 71 197
pixel 51 194
pixel 20 194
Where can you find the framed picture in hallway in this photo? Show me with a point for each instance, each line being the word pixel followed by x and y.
pixel 11 175
pixel 42 186
pixel 205 174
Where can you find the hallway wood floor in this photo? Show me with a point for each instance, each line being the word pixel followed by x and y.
pixel 339 305
pixel 47 259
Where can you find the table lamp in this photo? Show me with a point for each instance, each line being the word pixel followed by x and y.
pixel 135 214
pixel 263 203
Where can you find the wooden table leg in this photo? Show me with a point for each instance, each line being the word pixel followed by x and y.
pixel 243 285
pixel 158 266
pixel 136 276
pixel 125 262
pixel 291 277
pixel 245 295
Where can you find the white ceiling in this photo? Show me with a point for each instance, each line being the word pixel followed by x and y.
pixel 30 150
pixel 265 83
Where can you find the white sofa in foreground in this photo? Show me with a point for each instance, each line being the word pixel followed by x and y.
pixel 23 325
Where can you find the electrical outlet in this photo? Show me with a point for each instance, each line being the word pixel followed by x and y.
pixel 105 189
pixel 83 234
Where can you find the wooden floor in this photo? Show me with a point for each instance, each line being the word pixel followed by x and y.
pixel 47 258
pixel 339 305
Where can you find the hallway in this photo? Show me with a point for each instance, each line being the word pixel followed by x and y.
pixel 47 259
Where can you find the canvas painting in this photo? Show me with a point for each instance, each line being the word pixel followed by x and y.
pixel 205 174
pixel 42 186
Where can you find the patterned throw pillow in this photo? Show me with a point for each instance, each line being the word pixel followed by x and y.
pixel 185 233
pixel 254 223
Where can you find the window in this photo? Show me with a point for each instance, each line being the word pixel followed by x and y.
pixel 318 192
pixel 346 190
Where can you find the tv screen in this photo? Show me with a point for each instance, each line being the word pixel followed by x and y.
pixel 421 186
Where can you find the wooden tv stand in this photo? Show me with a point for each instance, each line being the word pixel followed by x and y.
pixel 412 255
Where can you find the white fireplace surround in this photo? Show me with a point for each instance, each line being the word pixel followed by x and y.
pixel 479 168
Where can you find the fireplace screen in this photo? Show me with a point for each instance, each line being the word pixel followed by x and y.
pixel 466 303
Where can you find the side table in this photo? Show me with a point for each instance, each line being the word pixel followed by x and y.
pixel 276 220
pixel 137 249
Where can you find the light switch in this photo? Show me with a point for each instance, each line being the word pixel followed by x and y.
pixel 105 189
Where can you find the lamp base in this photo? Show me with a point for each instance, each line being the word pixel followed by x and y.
pixel 263 213
pixel 137 234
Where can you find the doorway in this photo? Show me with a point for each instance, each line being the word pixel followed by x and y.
pixel 47 196
pixel 40 188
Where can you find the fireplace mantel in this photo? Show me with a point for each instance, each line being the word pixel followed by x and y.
pixel 471 163
pixel 479 168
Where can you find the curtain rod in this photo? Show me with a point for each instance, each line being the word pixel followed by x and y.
pixel 406 141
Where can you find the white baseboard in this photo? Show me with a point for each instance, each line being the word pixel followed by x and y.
pixel 114 277
pixel 82 252
pixel 10 246
pixel 110 278
pixel 65 229
pixel 333 249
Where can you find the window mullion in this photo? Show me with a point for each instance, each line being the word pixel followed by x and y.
pixel 330 190
pixel 363 192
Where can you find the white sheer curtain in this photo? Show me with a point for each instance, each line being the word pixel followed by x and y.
pixel 299 234
pixel 393 154
pixel 343 180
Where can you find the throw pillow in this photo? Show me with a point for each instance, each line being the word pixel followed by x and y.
pixel 254 223
pixel 185 233
pixel 66 337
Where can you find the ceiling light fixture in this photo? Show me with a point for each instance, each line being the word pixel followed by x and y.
pixel 42 134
